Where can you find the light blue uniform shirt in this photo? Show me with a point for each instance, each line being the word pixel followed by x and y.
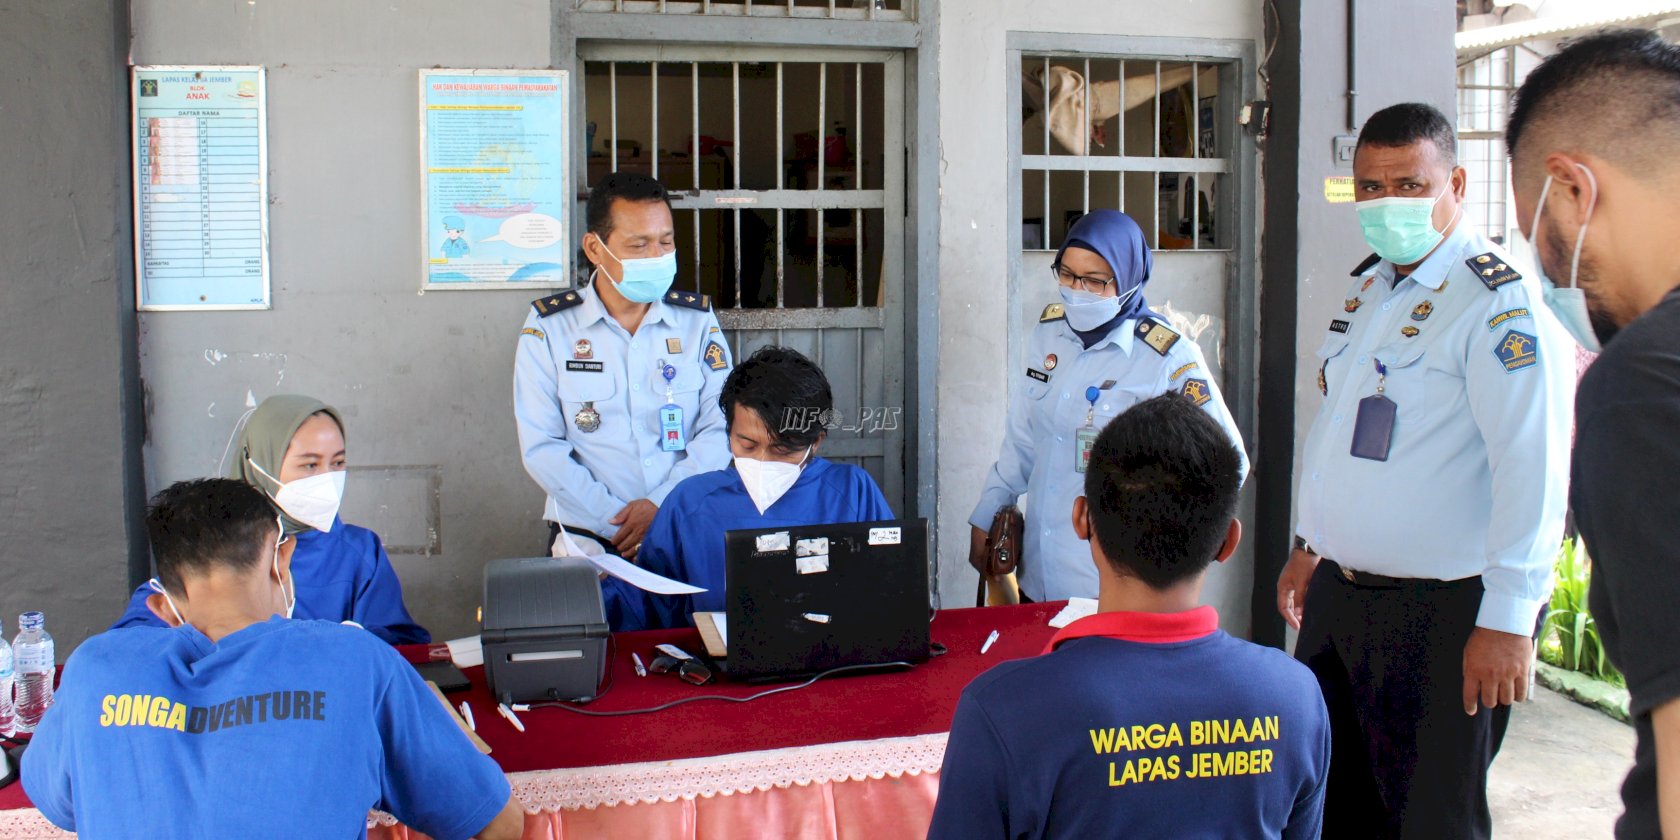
pixel 1045 415
pixel 591 475
pixel 1478 468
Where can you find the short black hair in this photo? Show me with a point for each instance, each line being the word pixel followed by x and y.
pixel 204 523
pixel 1408 123
pixel 630 186
pixel 1615 92
pixel 789 392
pixel 1162 489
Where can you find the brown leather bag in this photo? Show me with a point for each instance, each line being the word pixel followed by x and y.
pixel 1003 558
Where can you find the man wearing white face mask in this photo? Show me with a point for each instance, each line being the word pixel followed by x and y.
pixel 774 401
pixel 1092 356
pixel 1595 153
pixel 615 385
pixel 1431 496
pixel 234 722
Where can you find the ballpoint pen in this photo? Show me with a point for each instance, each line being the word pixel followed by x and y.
pixel 511 717
pixel 641 670
pixel 466 712
pixel 988 644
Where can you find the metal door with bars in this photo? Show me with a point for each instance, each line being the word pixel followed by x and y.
pixel 787 173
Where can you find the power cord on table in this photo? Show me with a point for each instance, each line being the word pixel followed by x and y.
pixel 722 697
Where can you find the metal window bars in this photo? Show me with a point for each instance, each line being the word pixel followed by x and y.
pixel 868 10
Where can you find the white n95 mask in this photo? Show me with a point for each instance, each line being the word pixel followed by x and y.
pixel 1568 303
pixel 313 501
pixel 767 481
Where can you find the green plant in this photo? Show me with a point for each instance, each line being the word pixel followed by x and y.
pixel 1570 638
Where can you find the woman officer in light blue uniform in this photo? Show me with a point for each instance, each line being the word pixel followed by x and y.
pixel 1091 357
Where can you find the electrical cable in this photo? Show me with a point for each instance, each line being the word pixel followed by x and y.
pixel 721 697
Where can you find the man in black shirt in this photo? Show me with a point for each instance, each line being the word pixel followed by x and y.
pixel 1595 155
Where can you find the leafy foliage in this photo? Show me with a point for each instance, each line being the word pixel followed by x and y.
pixel 1570 639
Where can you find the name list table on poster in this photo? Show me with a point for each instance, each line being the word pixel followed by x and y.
pixel 200 158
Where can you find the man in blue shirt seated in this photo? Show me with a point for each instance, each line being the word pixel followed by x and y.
pixel 235 721
pixel 1144 720
pixel 772 403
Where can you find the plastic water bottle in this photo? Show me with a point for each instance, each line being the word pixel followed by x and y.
pixel 8 718
pixel 33 650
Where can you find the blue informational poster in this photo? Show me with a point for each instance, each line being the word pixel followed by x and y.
pixel 494 175
pixel 200 158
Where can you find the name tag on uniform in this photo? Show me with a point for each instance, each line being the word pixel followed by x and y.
pixel 1373 430
pixel 590 367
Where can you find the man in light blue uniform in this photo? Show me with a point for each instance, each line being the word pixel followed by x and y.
pixel 615 385
pixel 235 721
pixel 1096 354
pixel 773 401
pixel 1431 496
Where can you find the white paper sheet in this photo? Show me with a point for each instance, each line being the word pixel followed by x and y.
pixel 1076 609
pixel 466 653
pixel 642 578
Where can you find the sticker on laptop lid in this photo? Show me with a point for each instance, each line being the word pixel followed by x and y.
pixel 811 564
pixel 820 618
pixel 771 543
pixel 885 536
pixel 808 547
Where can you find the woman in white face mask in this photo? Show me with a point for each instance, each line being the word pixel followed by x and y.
pixel 292 448
pixel 1093 355
pixel 778 406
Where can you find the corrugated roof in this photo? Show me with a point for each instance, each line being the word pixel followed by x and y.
pixel 1551 28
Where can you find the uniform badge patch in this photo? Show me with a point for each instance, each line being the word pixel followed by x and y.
pixel 587 418
pixel 1050 362
pixel 1053 312
pixel 1352 305
pixel 673 345
pixel 1517 350
pixel 1491 270
pixel 532 331
pixel 583 349
pixel 1038 374
pixel 714 356
pixel 586 367
pixel 1158 336
pixel 1183 369
pixel 1196 391
pixel 1422 311
pixel 1323 386
pixel 1339 326
pixel 1368 282
pixel 1495 321
pixel 1409 332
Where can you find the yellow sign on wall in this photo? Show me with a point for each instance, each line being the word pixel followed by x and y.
pixel 1338 189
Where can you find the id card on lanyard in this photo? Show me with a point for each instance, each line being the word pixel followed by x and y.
pixel 671 438
pixel 1373 429
pixel 1086 437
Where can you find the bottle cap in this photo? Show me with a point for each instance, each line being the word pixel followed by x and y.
pixel 31 619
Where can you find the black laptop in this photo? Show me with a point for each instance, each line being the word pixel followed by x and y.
pixel 812 598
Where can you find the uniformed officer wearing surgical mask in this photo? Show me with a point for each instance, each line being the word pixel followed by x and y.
pixel 1092 356
pixel 1431 495
pixel 615 385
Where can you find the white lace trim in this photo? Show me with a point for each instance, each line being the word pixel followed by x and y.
pixel 668 781
pixel 29 824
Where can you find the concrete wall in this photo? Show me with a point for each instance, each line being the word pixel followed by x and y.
pixel 66 314
pixel 424 381
pixel 983 314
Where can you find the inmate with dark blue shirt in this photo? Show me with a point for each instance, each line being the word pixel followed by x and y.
pixel 342 574
pixel 283 729
pixel 1138 725
pixel 686 539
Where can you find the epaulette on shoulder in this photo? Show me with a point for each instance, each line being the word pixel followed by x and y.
pixel 556 303
pixel 1053 312
pixel 1158 336
pixel 1492 270
pixel 1364 265
pixel 692 300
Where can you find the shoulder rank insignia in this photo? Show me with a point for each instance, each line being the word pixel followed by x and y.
pixel 1158 336
pixel 555 303
pixel 1196 391
pixel 1517 350
pixel 1492 270
pixel 1364 264
pixel 692 300
pixel 1053 312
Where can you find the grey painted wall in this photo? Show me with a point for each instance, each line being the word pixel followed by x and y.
pixel 66 314
pixel 424 381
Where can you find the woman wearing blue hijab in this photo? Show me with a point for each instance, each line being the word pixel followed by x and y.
pixel 1091 357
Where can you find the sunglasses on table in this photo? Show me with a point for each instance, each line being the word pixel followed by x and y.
pixel 689 670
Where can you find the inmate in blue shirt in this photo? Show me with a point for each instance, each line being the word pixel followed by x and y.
pixel 685 541
pixel 283 729
pixel 342 574
pixel 1138 725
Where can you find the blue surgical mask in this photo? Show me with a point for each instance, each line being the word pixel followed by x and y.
pixel 645 280
pixel 1086 311
pixel 1569 303
pixel 1401 230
